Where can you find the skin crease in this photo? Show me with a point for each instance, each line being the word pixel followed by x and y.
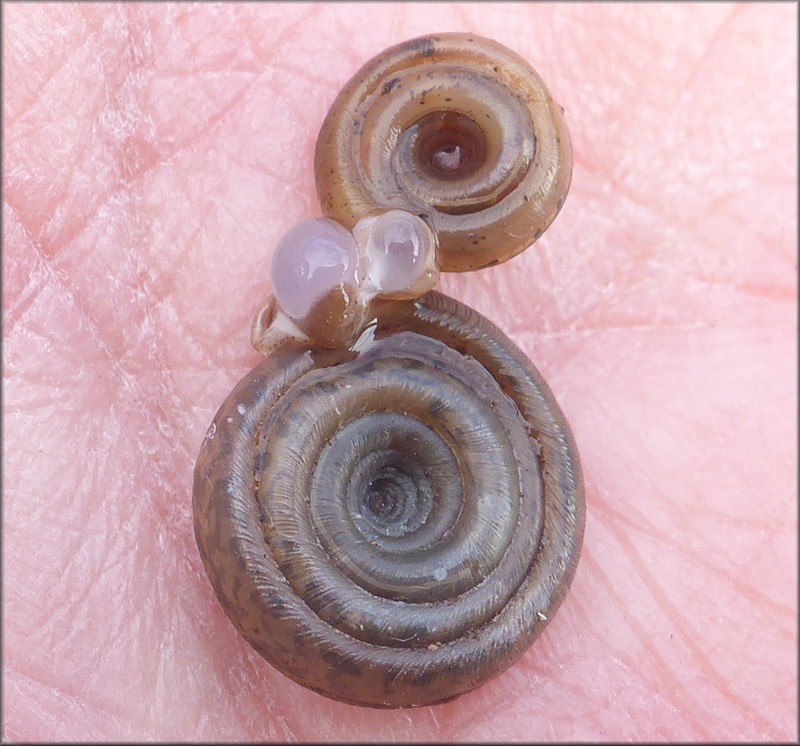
pixel 154 155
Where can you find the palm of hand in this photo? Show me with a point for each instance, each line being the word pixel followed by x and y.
pixel 154 157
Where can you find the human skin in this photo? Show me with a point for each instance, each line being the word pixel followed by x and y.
pixel 154 155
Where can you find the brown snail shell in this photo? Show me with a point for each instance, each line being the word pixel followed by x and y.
pixel 392 525
pixel 457 129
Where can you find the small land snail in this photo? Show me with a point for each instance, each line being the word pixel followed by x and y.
pixel 390 506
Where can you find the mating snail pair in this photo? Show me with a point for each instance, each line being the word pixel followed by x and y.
pixel 390 506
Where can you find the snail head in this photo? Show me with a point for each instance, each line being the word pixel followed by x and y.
pixel 326 280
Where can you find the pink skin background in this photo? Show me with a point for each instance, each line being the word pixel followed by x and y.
pixel 154 155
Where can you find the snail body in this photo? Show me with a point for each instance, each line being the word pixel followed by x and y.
pixel 390 506
pixel 434 531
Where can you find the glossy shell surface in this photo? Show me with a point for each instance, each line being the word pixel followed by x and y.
pixel 457 129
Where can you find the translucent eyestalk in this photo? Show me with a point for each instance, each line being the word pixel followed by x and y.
pixel 326 280
pixel 398 255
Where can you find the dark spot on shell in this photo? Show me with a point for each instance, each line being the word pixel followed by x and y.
pixel 312 589
pixel 424 678
pixel 426 46
pixel 437 408
pixel 340 663
pixel 493 263
pixel 288 545
pixel 560 203
pixel 276 603
pixel 391 675
pixel 389 85
pixel 281 428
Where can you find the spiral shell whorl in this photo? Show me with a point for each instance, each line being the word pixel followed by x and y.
pixel 455 128
pixel 465 573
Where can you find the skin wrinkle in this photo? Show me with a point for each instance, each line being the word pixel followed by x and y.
pixel 19 680
pixel 288 35
pixel 716 38
pixel 207 132
pixel 245 31
pixel 396 17
pixel 147 304
pixel 115 365
pixel 688 632
pixel 126 374
pixel 611 412
pixel 285 37
pixel 763 724
pixel 262 168
pixel 696 422
pixel 678 101
pixel 670 680
pixel 482 722
pixel 255 684
pixel 72 610
pixel 326 84
pixel 47 245
pixel 784 293
pixel 160 716
pixel 28 106
pixel 35 283
pixel 56 233
pixel 203 59
pixel 133 208
pixel 645 527
pixel 631 664
pixel 214 122
pixel 160 685
pixel 675 505
pixel 596 303
pixel 584 331
pixel 713 516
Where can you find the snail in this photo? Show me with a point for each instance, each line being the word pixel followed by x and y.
pixel 457 129
pixel 390 506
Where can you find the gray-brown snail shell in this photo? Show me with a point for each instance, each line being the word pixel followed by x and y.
pixel 392 527
pixel 390 516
